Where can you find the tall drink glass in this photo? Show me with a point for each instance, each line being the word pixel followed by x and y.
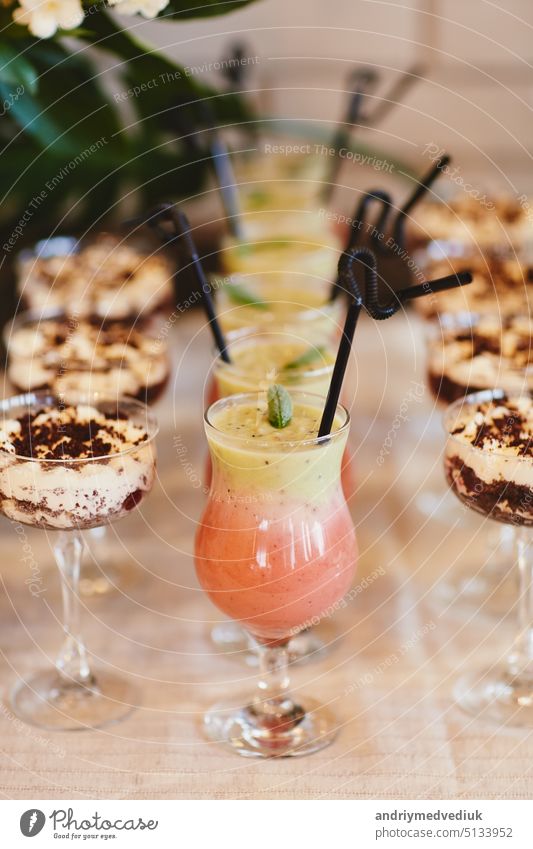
pixel 275 549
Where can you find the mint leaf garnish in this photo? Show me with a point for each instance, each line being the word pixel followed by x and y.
pixel 238 294
pixel 310 356
pixel 279 406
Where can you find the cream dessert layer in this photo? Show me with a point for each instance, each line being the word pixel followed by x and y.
pixel 499 286
pixel 63 354
pixel 467 220
pixel 104 279
pixel 489 457
pixel 73 467
pixel 492 353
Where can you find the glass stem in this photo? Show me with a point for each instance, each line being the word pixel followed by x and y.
pixel 273 699
pixel 521 658
pixel 71 662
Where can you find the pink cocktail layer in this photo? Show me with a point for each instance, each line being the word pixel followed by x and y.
pixel 275 566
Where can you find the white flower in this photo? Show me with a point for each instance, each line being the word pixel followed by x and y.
pixel 147 8
pixel 44 17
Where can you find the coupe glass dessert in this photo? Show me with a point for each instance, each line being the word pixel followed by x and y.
pixel 469 221
pixel 499 286
pixel 489 466
pixel 274 550
pixel 104 278
pixel 491 351
pixel 61 353
pixel 465 357
pixel 67 465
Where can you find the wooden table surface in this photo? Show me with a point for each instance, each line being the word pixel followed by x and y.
pixel 396 649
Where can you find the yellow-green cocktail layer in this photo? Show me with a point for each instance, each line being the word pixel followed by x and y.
pixel 280 302
pixel 250 455
pixel 258 362
pixel 280 255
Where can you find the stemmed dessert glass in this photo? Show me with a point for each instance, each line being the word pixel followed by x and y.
pixel 275 550
pixel 59 353
pixel 69 495
pixel 495 478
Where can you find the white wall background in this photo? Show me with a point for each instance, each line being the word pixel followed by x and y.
pixel 476 99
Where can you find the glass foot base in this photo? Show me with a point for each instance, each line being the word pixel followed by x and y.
pixel 305 646
pixel 492 694
pixel 441 506
pixel 307 729
pixel 489 592
pixel 50 702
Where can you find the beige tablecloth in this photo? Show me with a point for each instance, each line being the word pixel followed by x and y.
pixel 397 648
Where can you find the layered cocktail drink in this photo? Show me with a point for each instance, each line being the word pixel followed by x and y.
pixel 280 255
pixel 275 549
pixel 273 303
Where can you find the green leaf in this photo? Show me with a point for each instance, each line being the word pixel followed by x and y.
pixel 69 110
pixel 239 294
pixel 181 9
pixel 279 406
pixel 155 86
pixel 16 70
pixel 307 358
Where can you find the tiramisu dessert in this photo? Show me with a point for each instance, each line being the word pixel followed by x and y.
pixel 106 278
pixel 483 222
pixel 503 286
pixel 492 352
pixel 64 354
pixel 489 455
pixel 66 467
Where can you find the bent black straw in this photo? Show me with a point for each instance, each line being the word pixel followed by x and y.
pixel 359 223
pixel 423 187
pixel 431 287
pixel 376 310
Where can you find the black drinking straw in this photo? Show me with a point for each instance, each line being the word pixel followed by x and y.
pixel 359 221
pixel 348 333
pixel 235 69
pixel 431 287
pixel 399 88
pixel 423 187
pixel 375 310
pixel 360 81
pixel 224 174
pixel 181 227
